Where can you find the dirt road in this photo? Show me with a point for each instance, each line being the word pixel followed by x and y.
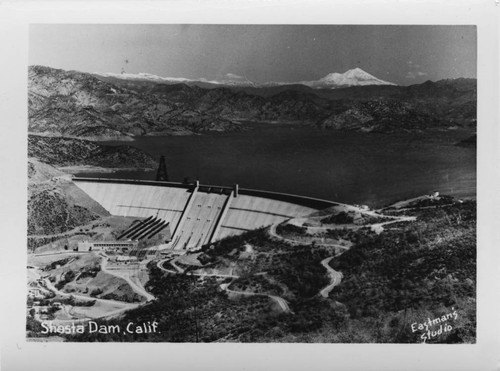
pixel 139 289
pixel 161 262
pixel 279 300
pixel 114 303
pixel 272 232
pixel 335 277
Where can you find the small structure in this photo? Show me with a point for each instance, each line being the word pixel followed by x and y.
pixel 161 174
pixel 107 246
pixel 126 258
pixel 35 294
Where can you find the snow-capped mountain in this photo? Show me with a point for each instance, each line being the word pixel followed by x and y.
pixel 144 77
pixel 354 77
pixel 229 79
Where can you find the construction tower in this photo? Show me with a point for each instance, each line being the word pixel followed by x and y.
pixel 161 174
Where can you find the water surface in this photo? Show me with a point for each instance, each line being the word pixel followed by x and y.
pixel 362 168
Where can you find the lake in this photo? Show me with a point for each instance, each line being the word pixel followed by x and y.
pixel 361 168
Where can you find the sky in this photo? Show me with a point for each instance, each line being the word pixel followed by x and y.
pixel 403 55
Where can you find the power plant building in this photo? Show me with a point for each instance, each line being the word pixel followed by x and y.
pixel 107 246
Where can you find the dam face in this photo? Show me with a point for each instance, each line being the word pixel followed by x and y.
pixel 198 214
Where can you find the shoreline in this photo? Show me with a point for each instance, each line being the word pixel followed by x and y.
pixel 76 169
pixel 251 126
pixel 98 138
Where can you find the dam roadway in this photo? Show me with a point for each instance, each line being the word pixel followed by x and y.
pixel 198 214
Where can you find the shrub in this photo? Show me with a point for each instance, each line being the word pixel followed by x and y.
pixel 340 218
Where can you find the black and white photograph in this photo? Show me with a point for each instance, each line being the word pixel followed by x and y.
pixel 254 183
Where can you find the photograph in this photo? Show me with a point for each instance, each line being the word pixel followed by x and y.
pixel 252 183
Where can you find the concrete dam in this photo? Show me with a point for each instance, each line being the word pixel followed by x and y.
pixel 198 214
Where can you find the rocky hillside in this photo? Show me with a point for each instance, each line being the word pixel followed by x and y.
pixel 382 115
pixel 41 172
pixel 60 152
pixel 55 204
pixel 51 211
pixel 68 103
pixel 441 104
pixel 76 104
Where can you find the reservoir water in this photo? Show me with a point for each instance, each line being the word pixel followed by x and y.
pixel 361 168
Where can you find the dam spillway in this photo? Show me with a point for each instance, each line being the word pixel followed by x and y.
pixel 198 214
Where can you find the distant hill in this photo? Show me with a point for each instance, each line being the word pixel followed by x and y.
pixel 59 152
pixel 69 103
pixel 82 105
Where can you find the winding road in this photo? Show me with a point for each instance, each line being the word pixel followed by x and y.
pixel 182 271
pixel 279 300
pixel 225 286
pixel 124 306
pixel 335 277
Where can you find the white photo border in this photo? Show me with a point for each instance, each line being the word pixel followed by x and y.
pixel 18 354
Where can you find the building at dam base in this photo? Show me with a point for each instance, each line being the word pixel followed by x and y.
pixel 197 214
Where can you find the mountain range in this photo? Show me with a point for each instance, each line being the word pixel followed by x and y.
pixel 353 77
pixel 90 106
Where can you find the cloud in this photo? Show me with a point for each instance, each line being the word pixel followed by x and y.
pixel 414 75
pixel 414 70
